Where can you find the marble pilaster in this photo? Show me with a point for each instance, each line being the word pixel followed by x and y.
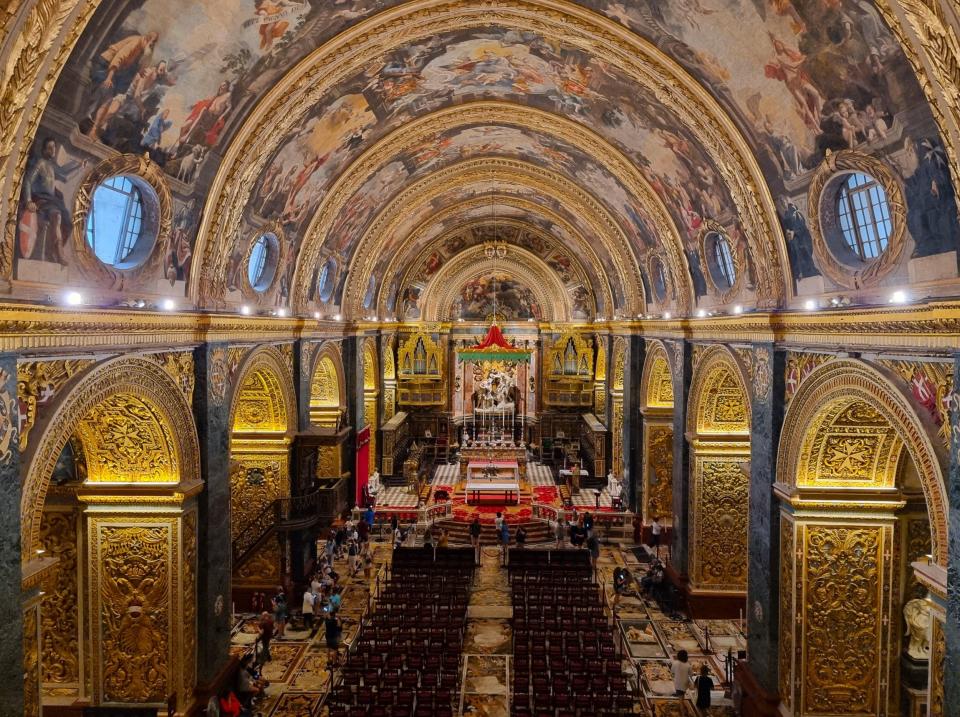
pixel 764 517
pixel 951 687
pixel 633 423
pixel 681 360
pixel 214 549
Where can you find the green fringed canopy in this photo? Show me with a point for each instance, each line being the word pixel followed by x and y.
pixel 494 348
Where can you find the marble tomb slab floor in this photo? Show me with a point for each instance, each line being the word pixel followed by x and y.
pixel 485 674
pixel 488 637
pixel 485 706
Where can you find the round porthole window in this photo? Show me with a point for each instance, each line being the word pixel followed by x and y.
pixel 659 273
pixel 262 262
pixel 863 214
pixel 121 223
pixel 720 262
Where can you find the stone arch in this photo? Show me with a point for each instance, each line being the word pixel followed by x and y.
pixel 327 387
pixel 656 405
pixel 845 519
pixel 719 398
pixel 371 393
pixel 264 399
pixel 160 403
pixel 718 431
pixel 844 382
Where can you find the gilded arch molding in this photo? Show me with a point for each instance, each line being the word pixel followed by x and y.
pixel 480 171
pixel 327 383
pixel 585 251
pixel 656 379
pixel 850 379
pixel 277 396
pixel 354 49
pixel 497 113
pixel 443 289
pixel 719 397
pixel 141 378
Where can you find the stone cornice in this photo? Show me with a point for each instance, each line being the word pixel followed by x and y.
pixel 37 329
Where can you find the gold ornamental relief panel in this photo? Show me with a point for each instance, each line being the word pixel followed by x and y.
pixel 723 405
pixel 132 579
pixel 188 597
pixel 660 384
pixel 658 473
pixel 938 652
pixel 31 663
pixel 370 419
pixel 255 482
pixel 617 436
pixel 846 614
pixel 60 613
pixel 328 461
pixel 718 509
pixel 125 439
pixel 261 568
pixel 260 404
pixel 788 618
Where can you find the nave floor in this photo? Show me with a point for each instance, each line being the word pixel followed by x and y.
pixel 299 677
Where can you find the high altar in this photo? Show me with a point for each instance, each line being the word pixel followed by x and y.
pixel 493 457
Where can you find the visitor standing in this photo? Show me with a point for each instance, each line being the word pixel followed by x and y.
pixel 353 557
pixel 475 538
pixel 593 545
pixel 444 539
pixel 504 539
pixel 331 629
pixel 588 523
pixel 280 612
pixel 261 648
pixel 560 531
pixel 307 609
pixel 704 688
pixel 680 668
pixel 521 537
pixel 655 530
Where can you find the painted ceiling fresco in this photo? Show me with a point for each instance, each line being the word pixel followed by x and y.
pixel 177 80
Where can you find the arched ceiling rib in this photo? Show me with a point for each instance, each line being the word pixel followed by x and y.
pixel 541 24
pixel 481 176
pixel 426 252
pixel 713 105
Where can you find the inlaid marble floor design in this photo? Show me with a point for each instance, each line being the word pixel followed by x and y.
pixel 300 677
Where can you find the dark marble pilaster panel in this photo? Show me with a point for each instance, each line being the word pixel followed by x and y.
pixel 681 355
pixel 951 669
pixel 767 382
pixel 633 423
pixel 353 377
pixel 11 611
pixel 214 550
pixel 303 352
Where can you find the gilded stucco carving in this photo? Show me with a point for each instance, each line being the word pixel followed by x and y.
pixel 326 389
pixel 917 547
pixel 930 384
pixel 125 439
pixel 38 383
pixel 760 372
pixel 218 375
pixel 188 599
pixel 137 377
pixel 658 490
pixel 799 366
pixel 328 461
pixel 264 397
pixel 723 405
pixel 360 46
pixel 132 581
pixel 843 574
pixel 725 293
pixel 659 382
pixel 844 382
pixel 59 616
pixel 180 367
pixel 787 618
pixel 31 663
pixel 256 480
pixel 938 655
pixel 718 516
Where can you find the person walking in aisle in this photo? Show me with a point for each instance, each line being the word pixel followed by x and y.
pixel 560 531
pixel 505 539
pixel 475 538
pixel 680 668
pixel 704 688
pixel 655 530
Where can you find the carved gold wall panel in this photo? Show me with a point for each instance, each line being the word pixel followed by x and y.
pixel 821 402
pixel 787 610
pixel 31 661
pixel 125 439
pixel 917 545
pixel 328 461
pixel 719 401
pixel 658 471
pixel 930 383
pixel 38 383
pixel 326 390
pixel 258 476
pixel 188 607
pixel 938 653
pixel 371 381
pixel 133 584
pixel 264 397
pixel 258 405
pixel 616 428
pixel 179 364
pixel 719 498
pixel 659 393
pixel 799 366
pixel 846 618
pixel 60 608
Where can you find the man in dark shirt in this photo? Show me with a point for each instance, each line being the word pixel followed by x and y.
pixel 475 538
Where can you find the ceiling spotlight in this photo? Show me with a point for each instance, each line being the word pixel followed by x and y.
pixel 530 319
pixel 168 305
pixel 73 298
pixel 336 317
pixel 702 314
pixel 810 304
pixel 282 312
pixel 666 315
pixel 245 310
pixel 898 297
pixel 738 309
pixel 316 315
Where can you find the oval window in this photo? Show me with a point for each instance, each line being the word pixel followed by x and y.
pixel 262 264
pixel 371 293
pixel 116 229
pixel 864 216
pixel 720 262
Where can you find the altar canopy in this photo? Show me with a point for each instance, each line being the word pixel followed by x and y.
pixel 494 347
